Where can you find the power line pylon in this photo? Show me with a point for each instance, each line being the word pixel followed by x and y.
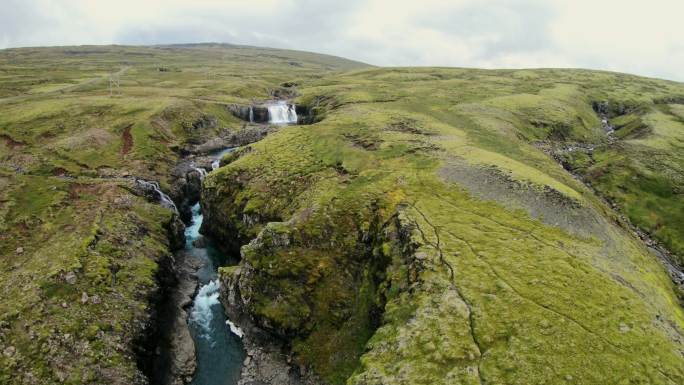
pixel 113 82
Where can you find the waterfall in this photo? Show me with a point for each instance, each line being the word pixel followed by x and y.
pixel 282 113
pixel 164 199
pixel 251 114
pixel 192 230
pixel 215 164
pixel 607 127
pixel 202 172
pixel 201 315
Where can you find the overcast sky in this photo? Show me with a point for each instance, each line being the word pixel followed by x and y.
pixel 645 37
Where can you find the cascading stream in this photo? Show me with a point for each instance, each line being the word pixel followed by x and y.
pixel 164 199
pixel 218 344
pixel 202 172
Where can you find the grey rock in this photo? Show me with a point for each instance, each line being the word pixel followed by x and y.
pixel 267 361
pixel 624 328
pixel 70 278
pixel 9 351
pixel 200 243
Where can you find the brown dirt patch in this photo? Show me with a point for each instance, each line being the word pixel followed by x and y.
pixel 10 142
pixel 58 171
pixel 370 144
pixel 76 190
pixel 127 139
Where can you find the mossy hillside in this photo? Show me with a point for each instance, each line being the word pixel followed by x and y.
pixel 67 150
pixel 167 96
pixel 76 238
pixel 642 173
pixel 524 296
pixel 504 112
pixel 200 69
pixel 516 317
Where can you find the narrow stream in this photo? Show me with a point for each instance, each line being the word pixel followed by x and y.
pixel 218 342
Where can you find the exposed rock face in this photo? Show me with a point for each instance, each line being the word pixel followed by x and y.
pixel 223 221
pixel 186 183
pixel 268 360
pixel 259 114
pixel 211 145
pixel 175 232
pixel 168 357
pixel 205 122
pixel 250 135
pixel 267 340
pixel 227 138
pixel 182 347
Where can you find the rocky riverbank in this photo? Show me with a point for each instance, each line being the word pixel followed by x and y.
pixel 268 359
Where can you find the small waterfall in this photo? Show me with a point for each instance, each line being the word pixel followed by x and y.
pixel 202 315
pixel 251 114
pixel 282 113
pixel 219 155
pixel 607 127
pixel 164 199
pixel 202 172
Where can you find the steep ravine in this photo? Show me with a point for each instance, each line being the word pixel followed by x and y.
pixel 191 341
pixel 217 342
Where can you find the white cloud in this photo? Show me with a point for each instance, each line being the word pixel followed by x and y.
pixel 644 37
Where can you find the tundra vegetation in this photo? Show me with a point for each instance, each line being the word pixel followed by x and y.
pixel 430 226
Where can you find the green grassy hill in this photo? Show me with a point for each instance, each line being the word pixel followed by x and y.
pixel 421 231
